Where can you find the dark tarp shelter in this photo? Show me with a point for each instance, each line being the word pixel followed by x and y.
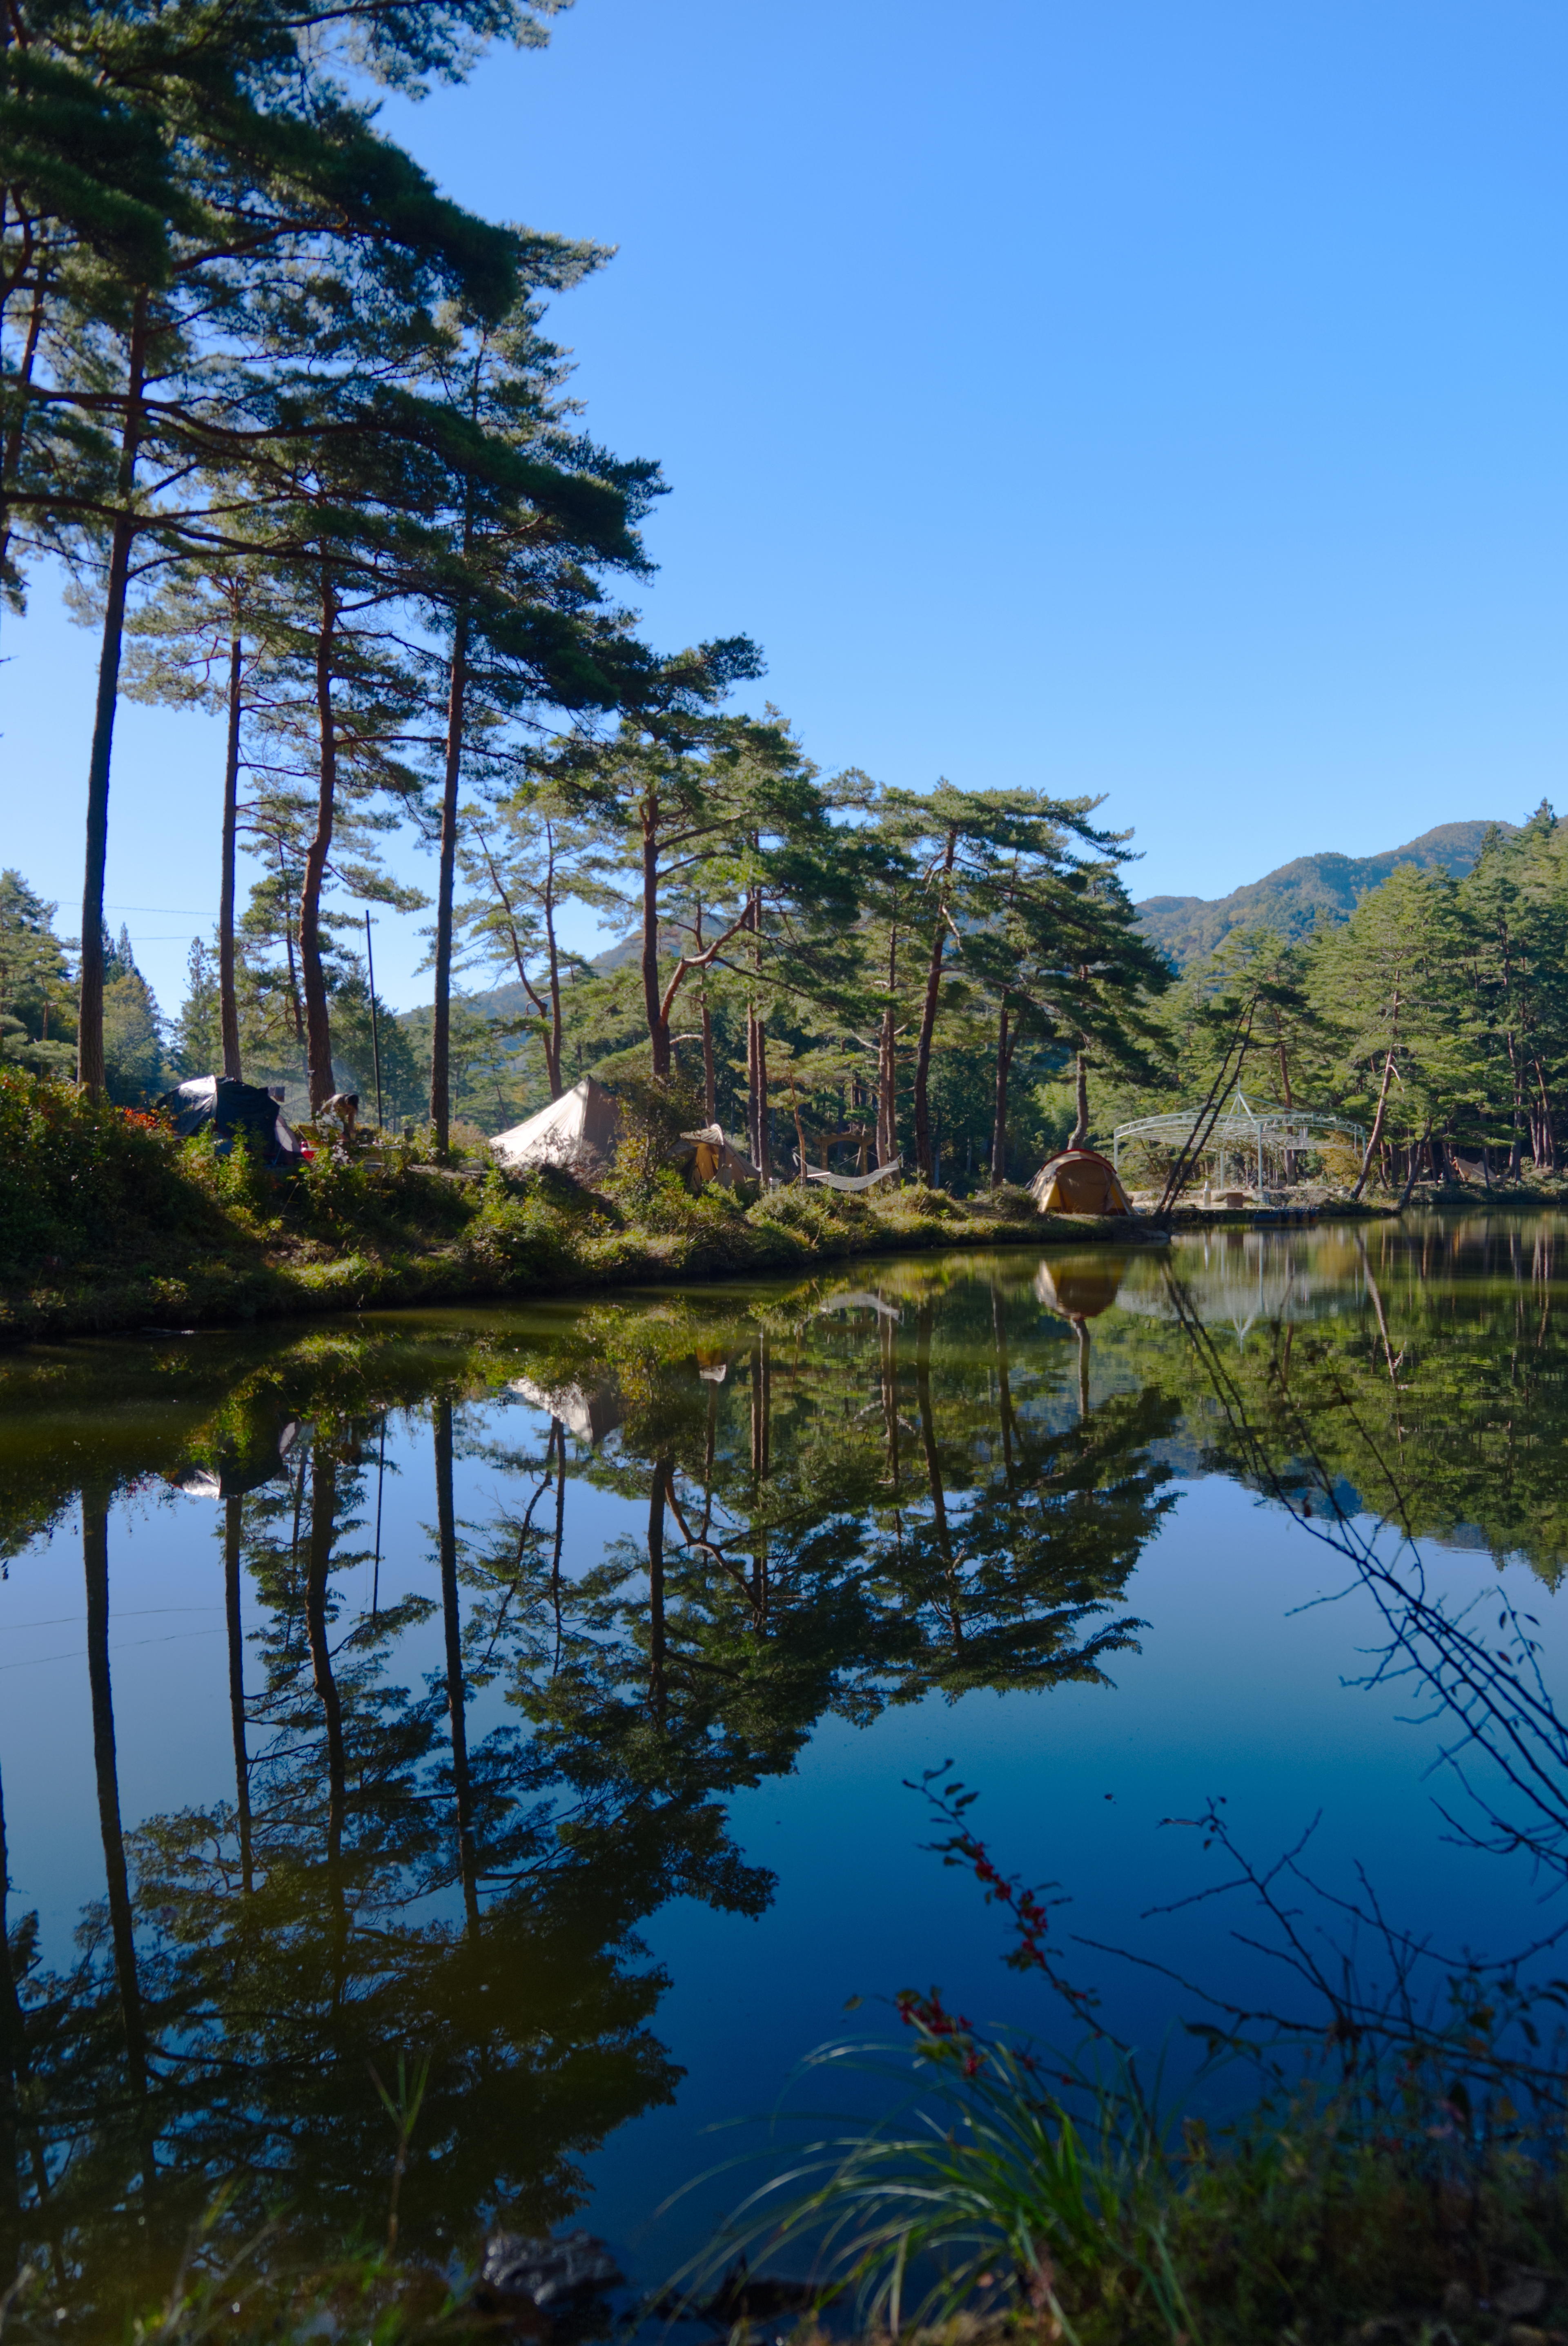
pixel 225 1107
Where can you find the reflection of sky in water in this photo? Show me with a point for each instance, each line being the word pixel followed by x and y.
pixel 169 1653
pixel 1241 1690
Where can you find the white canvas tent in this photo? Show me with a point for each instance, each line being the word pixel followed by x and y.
pixel 589 1415
pixel 578 1131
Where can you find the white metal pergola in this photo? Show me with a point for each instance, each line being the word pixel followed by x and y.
pixel 1241 1130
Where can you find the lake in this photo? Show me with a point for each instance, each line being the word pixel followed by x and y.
pixel 538 1693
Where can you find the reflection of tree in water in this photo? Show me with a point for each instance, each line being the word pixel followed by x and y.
pixel 1432 1365
pixel 833 1511
pixel 235 2041
pixel 856 1514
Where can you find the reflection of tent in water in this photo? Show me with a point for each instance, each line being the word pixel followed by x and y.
pixel 230 1479
pixel 1079 1181
pixel 589 1415
pixel 224 1107
pixel 580 1130
pixel 1080 1289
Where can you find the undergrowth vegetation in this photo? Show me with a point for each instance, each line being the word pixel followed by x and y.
pixel 1362 2204
pixel 106 1220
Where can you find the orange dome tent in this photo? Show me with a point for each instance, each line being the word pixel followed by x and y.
pixel 1079 1181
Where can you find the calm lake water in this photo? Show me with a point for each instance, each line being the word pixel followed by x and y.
pixel 538 1691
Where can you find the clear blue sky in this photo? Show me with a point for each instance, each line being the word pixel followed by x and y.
pixel 1161 397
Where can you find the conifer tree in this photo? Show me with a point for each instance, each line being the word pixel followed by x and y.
pixel 526 858
pixel 36 1000
pixel 971 847
pixel 1388 983
pixel 532 512
pixel 135 397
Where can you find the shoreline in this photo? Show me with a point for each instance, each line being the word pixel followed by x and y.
pixel 216 1293
pixel 243 1286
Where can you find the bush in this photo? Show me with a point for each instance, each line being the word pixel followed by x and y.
pixel 655 1111
pixel 78 1174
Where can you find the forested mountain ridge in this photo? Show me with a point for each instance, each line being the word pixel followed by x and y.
pixel 1326 887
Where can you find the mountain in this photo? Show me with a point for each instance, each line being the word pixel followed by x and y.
pixel 508 1000
pixel 1314 888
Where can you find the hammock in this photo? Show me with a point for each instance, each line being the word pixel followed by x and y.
pixel 851 1180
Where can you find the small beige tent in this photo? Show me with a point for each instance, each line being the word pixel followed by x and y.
pixel 714 1158
pixel 1079 1181
pixel 578 1131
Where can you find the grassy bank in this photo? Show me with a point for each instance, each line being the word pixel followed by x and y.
pixel 107 1222
pixel 1366 2210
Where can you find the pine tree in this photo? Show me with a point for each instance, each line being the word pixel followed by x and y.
pixel 36 996
pixel 526 858
pixel 532 512
pixel 978 852
pixel 277 198
pixel 1389 983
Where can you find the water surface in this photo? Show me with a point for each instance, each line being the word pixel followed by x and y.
pixel 536 1691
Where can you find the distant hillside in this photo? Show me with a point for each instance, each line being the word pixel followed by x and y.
pixel 1315 887
pixel 508 999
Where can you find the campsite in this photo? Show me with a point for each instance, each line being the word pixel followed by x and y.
pixel 783 1174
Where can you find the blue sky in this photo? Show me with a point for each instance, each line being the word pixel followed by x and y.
pixel 1159 399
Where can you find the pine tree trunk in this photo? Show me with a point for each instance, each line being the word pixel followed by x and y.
pixel 552 1040
pixel 441 1025
pixel 228 1004
pixel 324 1525
pixel 1516 1152
pixel 90 1014
pixel 887 1063
pixel 1375 1136
pixel 317 1023
pixel 1079 1136
pixel 753 1122
pixel 122 1923
pixel 236 1686
pixel 657 1025
pixel 709 1071
pixel 887 1093
pixel 755 1107
pixel 764 1113
pixel 1004 1067
pixel 456 1691
pixel 928 1020
pixel 289 947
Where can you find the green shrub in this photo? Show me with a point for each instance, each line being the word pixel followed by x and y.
pixel 78 1174
pixel 655 1111
pixel 796 1209
pixel 237 1178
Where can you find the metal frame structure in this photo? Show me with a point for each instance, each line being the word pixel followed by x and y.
pixel 1239 1129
